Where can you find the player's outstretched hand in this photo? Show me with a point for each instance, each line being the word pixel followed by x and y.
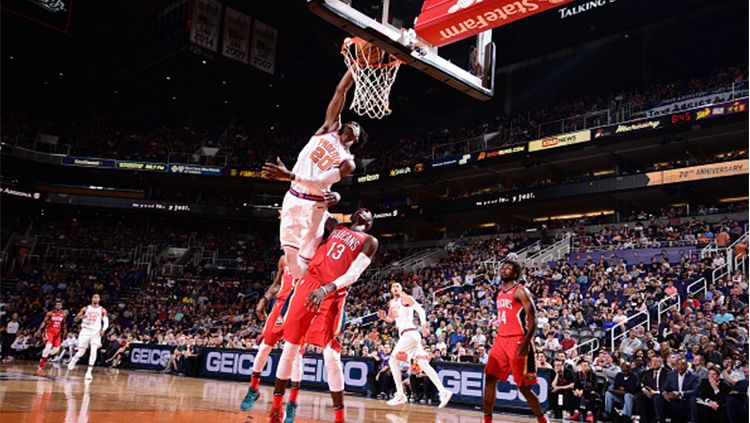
pixel 523 349
pixel 278 171
pixel 332 198
pixel 314 299
pixel 425 331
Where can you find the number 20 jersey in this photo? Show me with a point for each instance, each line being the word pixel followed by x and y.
pixel 336 254
pixel 322 153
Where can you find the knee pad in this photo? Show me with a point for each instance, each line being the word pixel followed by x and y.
pixel 297 368
pixel 285 361
pixel 335 369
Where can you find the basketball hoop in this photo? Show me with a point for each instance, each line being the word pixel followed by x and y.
pixel 374 72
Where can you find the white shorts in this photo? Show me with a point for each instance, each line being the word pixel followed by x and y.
pixel 302 224
pixel 410 343
pixel 88 337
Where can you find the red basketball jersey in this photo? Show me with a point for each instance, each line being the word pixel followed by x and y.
pixel 56 321
pixel 286 286
pixel 511 316
pixel 333 258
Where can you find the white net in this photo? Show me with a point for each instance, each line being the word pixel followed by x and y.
pixel 374 73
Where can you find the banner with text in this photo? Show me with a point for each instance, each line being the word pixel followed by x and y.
pixel 263 47
pixel 141 166
pixel 192 169
pixel 695 173
pixel 150 357
pixel 87 162
pixel 560 140
pixel 695 102
pixel 450 161
pixel 204 28
pixel 236 41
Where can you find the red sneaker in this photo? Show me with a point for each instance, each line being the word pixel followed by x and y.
pixel 590 417
pixel 575 416
pixel 276 415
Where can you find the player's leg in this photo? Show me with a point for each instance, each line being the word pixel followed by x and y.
pixel 524 375
pixel 84 339
pixel 271 335
pixel 312 235
pixel 96 342
pixel 291 405
pixel 295 215
pixel 496 368
pixel 335 371
pixel 423 361
pixel 50 349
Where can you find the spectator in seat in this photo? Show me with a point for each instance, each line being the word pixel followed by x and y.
pixel 567 342
pixel 677 393
pixel 586 393
pixel 651 383
pixel 629 345
pixel 710 400
pixel 699 367
pixel 551 343
pixel 737 400
pixel 623 391
pixel 561 394
pixel 608 369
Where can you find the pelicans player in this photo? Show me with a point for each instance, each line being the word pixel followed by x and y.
pixel 512 351
pixel 93 325
pixel 54 323
pixel 325 160
pixel 281 287
pixel 409 346
pixel 316 308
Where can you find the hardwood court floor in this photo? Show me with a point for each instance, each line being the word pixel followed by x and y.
pixel 121 396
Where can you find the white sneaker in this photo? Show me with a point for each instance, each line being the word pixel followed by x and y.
pixel 71 365
pixel 88 376
pixel 445 397
pixel 398 399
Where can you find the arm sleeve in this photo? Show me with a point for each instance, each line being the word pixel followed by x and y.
pixel 325 180
pixel 420 312
pixel 105 323
pixel 355 270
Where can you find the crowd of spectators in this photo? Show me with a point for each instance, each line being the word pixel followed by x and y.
pixel 579 300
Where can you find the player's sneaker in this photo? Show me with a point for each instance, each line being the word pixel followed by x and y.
pixel 291 410
pixel 276 415
pixel 249 401
pixel 445 397
pixel 71 365
pixel 88 376
pixel 398 399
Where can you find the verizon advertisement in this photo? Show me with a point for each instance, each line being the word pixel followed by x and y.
pixel 443 22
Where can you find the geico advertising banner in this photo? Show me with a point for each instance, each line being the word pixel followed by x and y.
pixel 560 140
pixel 238 365
pixel 466 381
pixel 150 357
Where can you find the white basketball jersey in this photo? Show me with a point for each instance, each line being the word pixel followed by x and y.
pixel 404 315
pixel 323 152
pixel 92 319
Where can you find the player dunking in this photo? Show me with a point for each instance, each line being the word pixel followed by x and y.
pixel 409 346
pixel 512 351
pixel 93 325
pixel 316 308
pixel 54 330
pixel 325 160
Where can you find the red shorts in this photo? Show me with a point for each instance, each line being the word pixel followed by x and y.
pixel 273 330
pixel 504 360
pixel 319 326
pixel 54 338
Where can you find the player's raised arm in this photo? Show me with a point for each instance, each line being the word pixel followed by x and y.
pixel 524 296
pixel 336 106
pixel 280 172
pixel 80 314
pixel 272 291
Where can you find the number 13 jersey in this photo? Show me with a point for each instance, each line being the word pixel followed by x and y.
pixel 511 316
pixel 333 257
pixel 322 153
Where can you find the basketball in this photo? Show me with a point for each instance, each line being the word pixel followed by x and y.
pixel 368 54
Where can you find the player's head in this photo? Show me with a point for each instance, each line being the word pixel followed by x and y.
pixel 95 299
pixel 362 217
pixel 58 305
pixel 352 135
pixel 510 271
pixel 396 289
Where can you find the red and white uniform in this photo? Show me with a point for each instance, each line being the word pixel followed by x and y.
pixel 54 328
pixel 273 330
pixel 91 327
pixel 512 326
pixel 303 212
pixel 332 260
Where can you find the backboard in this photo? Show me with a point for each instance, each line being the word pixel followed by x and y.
pixel 388 25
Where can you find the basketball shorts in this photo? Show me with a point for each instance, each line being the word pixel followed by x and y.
pixel 273 330
pixel 54 338
pixel 504 360
pixel 89 338
pixel 302 223
pixel 409 346
pixel 316 327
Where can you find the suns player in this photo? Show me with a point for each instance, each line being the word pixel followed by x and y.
pixel 94 322
pixel 325 160
pixel 512 351
pixel 54 330
pixel 409 346
pixel 316 308
pixel 281 287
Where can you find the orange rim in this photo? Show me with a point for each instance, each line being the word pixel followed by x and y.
pixel 393 61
